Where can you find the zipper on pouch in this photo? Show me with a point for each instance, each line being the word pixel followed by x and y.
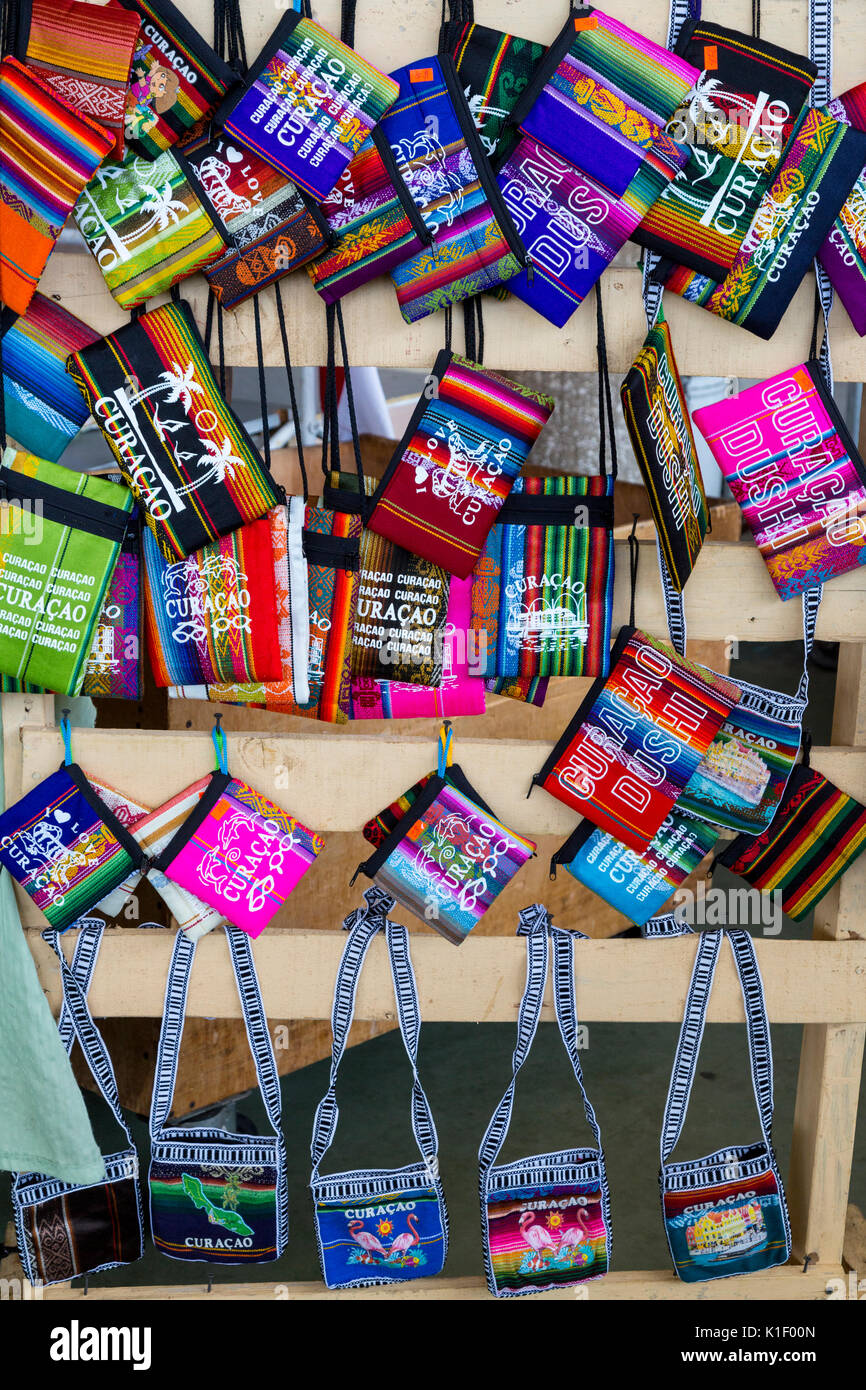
pixel 410 207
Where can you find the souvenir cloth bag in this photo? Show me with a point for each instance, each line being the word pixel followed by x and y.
pixel 660 431
pixel 726 1213
pixel 457 461
pixel 307 105
pixel 66 1230
pixel 270 230
pixel 61 534
pixel 790 462
pixel 85 54
pixel 113 669
pixel 529 691
pixel 213 616
pixel 817 833
pixel 48 152
pixel 494 70
pixel 176 81
pixel 460 690
pixel 381 1225
pixel 238 852
pixel 475 244
pixel 65 846
pixel 447 858
pixel 545 1220
pixel 216 1197
pixel 44 409
pixel 190 463
pixel 148 225
pixel 637 737
pixel 637 884
pixel 820 166
pixel 843 254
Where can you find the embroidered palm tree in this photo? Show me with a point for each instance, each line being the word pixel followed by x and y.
pixel 164 207
pixel 220 461
pixel 181 385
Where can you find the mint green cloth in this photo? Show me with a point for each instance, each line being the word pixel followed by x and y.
pixel 44 1126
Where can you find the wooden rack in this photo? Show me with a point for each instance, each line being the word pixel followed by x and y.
pixel 336 781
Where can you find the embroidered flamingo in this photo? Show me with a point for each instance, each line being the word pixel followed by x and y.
pixel 573 1239
pixel 406 1239
pixel 370 1244
pixel 536 1236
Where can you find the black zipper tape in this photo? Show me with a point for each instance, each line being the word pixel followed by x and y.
pixel 193 178
pixel 219 781
pixel 332 552
pixel 566 852
pixel 535 509
pixel 66 508
pixel 547 67
pixel 813 367
pixel 106 815
pixel 410 207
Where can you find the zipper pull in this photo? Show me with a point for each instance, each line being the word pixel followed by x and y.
pixel 530 268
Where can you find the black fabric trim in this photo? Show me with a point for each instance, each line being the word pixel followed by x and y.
pixel 410 207
pixel 194 180
pixel 218 783
pixel 66 508
pixel 332 552
pixel 534 509
pixel 548 65
pixel 94 800
pixel 813 367
pixel 569 848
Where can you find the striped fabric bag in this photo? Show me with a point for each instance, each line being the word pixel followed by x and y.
pixel 456 463
pixel 114 667
pixel 308 104
pixel 149 226
pixel 44 409
pixel 495 69
pixel 213 616
pixel 84 53
pixel 843 255
pixel 815 836
pixel 184 453
pixel 48 152
pixel 177 78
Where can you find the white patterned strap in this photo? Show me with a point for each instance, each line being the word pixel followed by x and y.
pixel 758 1026
pixel 674 607
pixel 409 1015
pixel 256 1022
pixel 689 1043
pixel 90 933
pixel 565 1001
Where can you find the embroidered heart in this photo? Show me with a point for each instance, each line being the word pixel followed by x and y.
pixel 234 156
pixel 62 817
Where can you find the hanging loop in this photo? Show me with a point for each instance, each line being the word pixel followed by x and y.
pixel 220 744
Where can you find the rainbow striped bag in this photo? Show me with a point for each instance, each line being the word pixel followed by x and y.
pixel 445 856
pixel 190 463
pixel 545 1220
pixel 44 409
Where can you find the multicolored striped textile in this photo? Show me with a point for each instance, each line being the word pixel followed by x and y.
pixel 84 53
pixel 148 226
pixel 192 1202
pixel 67 1231
pixel 65 847
pixel 530 691
pixel 788 458
pixel 715 1230
pixel 843 254
pixel 213 616
pixel 373 220
pixel 637 738
pixel 410 1243
pixel 185 454
pixel 377 830
pixel 637 884
pixel 457 462
pixel 44 409
pixel 114 669
pixel 60 537
pixel 660 430
pixel 821 164
pixel 308 104
pixel 475 244
pixel 542 590
pixel 269 228
pixel 177 79
pixel 48 152
pixel 494 70
pixel 574 1244
pixel 815 836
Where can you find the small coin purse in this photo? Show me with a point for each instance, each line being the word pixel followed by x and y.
pixel 446 857
pixel 724 1214
pixel 495 69
pixel 190 463
pixel 788 458
pixel 44 409
pixel 456 463
pixel 238 852
pixel 545 1220
pixel 308 104
pixel 382 1225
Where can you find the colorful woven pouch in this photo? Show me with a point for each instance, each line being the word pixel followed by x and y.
pixel 213 616
pixel 843 254
pixel 495 69
pixel 792 465
pixel 636 739
pixel 85 54
pixel 270 230
pixel 542 590
pixel 457 462
pixel 177 79
pixel 637 884
pixel 60 539
pixel 190 463
pixel 308 104
pixel 113 668
pixel 48 152
pixel 657 419
pixel 148 226
pixel 475 245
pixel 448 858
pixel 815 836
pixel 44 410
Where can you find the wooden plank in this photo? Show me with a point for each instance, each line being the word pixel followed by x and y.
pixel 849 708
pixel 618 981
pixel 825 1119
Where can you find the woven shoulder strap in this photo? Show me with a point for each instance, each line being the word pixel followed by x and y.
pixel 363 925
pixel 171 1032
